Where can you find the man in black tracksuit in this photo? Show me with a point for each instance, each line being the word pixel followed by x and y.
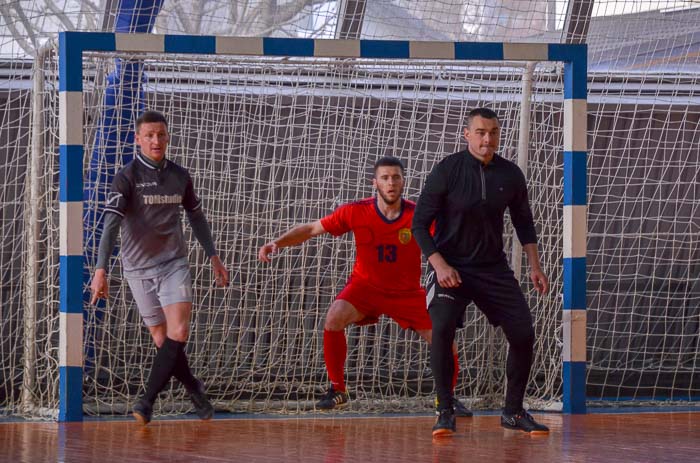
pixel 466 194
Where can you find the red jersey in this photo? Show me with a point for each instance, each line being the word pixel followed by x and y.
pixel 388 257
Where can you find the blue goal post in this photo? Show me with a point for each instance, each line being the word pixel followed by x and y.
pixel 72 150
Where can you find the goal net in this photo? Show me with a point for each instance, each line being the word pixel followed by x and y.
pixel 270 143
pixel 273 142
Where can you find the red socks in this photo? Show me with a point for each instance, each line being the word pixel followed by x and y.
pixel 335 349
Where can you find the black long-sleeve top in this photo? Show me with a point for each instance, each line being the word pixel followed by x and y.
pixel 467 201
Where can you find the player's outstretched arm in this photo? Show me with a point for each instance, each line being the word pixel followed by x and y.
pixel 291 237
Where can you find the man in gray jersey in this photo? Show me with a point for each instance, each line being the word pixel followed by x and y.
pixel 145 202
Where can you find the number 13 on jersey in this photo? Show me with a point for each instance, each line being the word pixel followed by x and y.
pixel 386 253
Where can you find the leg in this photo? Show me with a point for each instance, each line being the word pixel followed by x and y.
pixel 500 298
pixel 460 408
pixel 182 369
pixel 428 336
pixel 521 340
pixel 340 315
pixel 177 318
pixel 178 321
pixel 158 334
pixel 444 317
pixel 146 297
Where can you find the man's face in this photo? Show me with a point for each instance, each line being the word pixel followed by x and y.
pixel 483 136
pixel 388 180
pixel 153 139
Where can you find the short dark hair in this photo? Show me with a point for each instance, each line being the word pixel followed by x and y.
pixel 150 117
pixel 388 161
pixel 486 113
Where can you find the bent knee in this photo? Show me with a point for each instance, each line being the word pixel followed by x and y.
pixel 340 315
pixel 179 334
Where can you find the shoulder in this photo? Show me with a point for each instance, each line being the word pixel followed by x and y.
pixel 409 205
pixel 128 169
pixel 506 166
pixel 354 209
pixel 177 168
pixel 449 164
pixel 454 158
pixel 504 163
pixel 126 174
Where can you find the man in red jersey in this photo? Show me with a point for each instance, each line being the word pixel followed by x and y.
pixel 385 279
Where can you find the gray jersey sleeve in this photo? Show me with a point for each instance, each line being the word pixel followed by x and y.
pixel 110 231
pixel 198 221
pixel 201 230
pixel 190 201
pixel 118 197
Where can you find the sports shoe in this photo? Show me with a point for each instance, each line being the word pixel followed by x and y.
pixel 523 421
pixel 461 409
pixel 333 399
pixel 142 411
pixel 445 425
pixel 201 403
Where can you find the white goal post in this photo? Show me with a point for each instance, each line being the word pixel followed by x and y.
pixel 73 46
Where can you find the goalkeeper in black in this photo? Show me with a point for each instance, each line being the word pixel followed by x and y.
pixel 466 195
pixel 146 200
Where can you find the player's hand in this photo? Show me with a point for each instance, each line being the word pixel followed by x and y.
pixel 447 276
pixel 539 279
pixel 99 286
pixel 220 273
pixel 266 250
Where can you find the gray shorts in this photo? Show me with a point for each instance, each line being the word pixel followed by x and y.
pixel 152 294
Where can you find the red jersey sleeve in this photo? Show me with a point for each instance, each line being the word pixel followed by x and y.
pixel 339 222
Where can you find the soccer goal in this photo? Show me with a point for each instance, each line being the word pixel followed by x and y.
pixel 277 132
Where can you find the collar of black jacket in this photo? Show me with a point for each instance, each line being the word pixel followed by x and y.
pixel 475 162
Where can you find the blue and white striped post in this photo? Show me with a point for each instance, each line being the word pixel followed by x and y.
pixel 72 45
pixel 575 228
pixel 71 231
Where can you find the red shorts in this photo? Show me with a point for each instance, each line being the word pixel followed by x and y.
pixel 407 308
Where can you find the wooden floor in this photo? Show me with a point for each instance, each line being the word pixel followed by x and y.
pixel 645 437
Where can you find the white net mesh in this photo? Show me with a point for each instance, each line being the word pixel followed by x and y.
pixel 274 142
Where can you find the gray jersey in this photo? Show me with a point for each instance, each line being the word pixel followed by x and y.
pixel 148 198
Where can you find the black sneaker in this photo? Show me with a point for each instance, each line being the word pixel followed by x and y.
pixel 142 411
pixel 446 425
pixel 333 399
pixel 461 409
pixel 201 403
pixel 523 421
